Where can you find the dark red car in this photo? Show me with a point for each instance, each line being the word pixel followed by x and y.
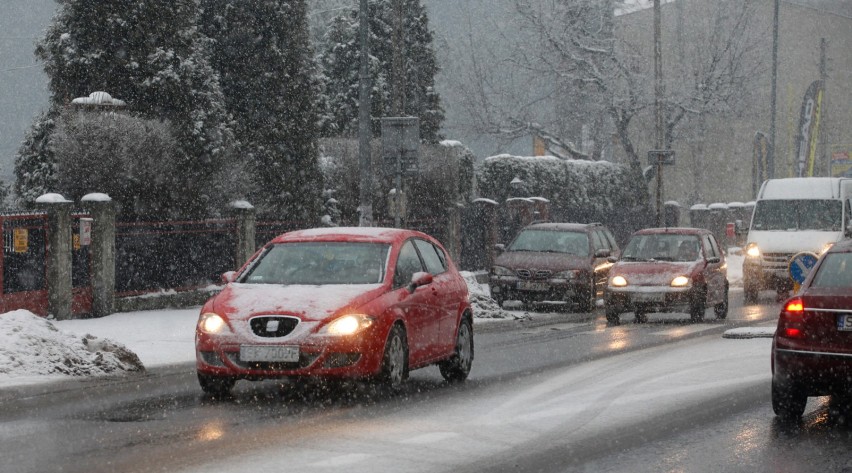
pixel 668 270
pixel 366 303
pixel 812 346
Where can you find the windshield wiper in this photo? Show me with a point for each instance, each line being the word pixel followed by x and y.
pixel 662 258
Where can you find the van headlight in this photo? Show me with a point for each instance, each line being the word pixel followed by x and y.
pixel 752 251
pixel 825 248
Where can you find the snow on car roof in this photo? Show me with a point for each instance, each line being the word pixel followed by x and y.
pixel 364 233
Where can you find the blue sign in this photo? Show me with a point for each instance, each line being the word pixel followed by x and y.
pixel 801 264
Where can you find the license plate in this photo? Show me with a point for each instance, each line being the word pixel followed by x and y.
pixel 844 322
pixel 642 297
pixel 533 286
pixel 280 353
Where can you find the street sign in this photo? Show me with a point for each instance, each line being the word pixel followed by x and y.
pixel 661 156
pixel 396 204
pixel 401 145
pixel 800 265
pixel 86 231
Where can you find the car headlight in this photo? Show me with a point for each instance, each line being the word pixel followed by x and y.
pixel 752 251
pixel 571 274
pixel 618 281
pixel 347 325
pixel 501 271
pixel 680 281
pixel 212 323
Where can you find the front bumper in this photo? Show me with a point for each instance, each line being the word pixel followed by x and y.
pixel 762 274
pixel 513 288
pixel 649 298
pixel 344 357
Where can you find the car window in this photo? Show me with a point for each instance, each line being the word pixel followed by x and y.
pixel 610 239
pixel 599 241
pixel 835 271
pixel 710 246
pixel 316 263
pixel 662 247
pixel 551 241
pixel 434 263
pixel 407 264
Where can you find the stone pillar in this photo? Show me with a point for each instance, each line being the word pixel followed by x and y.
pixel 244 213
pixel 453 243
pixel 102 209
pixel 59 294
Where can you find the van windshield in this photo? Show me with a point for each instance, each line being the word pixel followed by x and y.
pixel 825 215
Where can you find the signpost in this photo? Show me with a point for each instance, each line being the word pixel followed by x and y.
pixel 400 157
pixel 800 265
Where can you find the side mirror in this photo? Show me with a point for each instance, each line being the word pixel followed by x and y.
pixel 714 260
pixel 229 276
pixel 602 253
pixel 612 259
pixel 499 247
pixel 419 279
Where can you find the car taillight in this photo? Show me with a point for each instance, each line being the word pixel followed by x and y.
pixel 791 332
pixel 795 306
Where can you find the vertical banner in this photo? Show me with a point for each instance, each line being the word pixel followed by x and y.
pixel 760 158
pixel 808 130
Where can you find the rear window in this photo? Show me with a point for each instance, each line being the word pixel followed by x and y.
pixel 835 271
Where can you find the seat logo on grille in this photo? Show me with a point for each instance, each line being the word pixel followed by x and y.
pixel 272 325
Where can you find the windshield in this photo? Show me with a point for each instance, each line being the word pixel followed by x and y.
pixel 320 263
pixel 825 215
pixel 575 243
pixel 666 247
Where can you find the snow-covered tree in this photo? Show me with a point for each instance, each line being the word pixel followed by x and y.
pixel 35 164
pixel 265 63
pixel 340 59
pixel 150 54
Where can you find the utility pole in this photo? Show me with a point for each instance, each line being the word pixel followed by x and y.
pixel 770 157
pixel 398 90
pixel 365 205
pixel 658 106
pixel 825 157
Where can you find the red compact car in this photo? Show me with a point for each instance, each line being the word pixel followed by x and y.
pixel 668 270
pixel 812 347
pixel 365 303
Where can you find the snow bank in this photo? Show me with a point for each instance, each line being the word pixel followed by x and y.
pixel 484 307
pixel 33 346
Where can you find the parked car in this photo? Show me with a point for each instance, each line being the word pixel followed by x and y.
pixel 555 262
pixel 812 346
pixel 668 270
pixel 364 303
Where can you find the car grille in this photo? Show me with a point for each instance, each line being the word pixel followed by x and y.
pixel 273 325
pixel 777 260
pixel 533 273
pixel 305 360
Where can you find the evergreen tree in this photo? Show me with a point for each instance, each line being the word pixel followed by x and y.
pixel 150 54
pixel 264 60
pixel 340 60
pixel 35 164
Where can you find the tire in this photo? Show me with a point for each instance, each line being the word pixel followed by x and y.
pixel 698 305
pixel 721 309
pixel 613 316
pixel 457 368
pixel 394 370
pixel 788 401
pixel 216 386
pixel 586 302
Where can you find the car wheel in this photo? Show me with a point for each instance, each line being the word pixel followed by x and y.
pixel 721 309
pixel 788 401
pixel 458 366
pixel 586 302
pixel 613 316
pixel 216 386
pixel 395 361
pixel 698 305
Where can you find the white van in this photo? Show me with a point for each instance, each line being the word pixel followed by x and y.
pixel 791 216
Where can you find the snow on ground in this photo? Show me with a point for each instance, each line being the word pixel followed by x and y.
pixel 734 258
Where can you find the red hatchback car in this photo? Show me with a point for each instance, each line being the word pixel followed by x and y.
pixel 812 346
pixel 668 270
pixel 364 303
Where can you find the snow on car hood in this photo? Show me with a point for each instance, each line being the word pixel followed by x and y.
pixel 542 261
pixel 315 303
pixel 653 273
pixel 792 241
